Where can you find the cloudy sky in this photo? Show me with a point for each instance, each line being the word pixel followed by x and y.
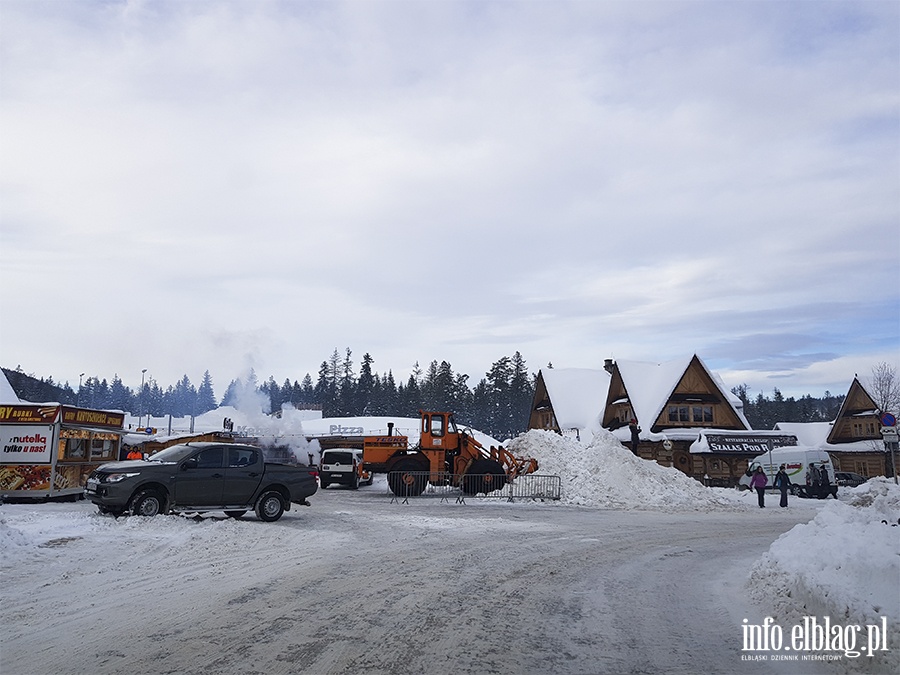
pixel 191 186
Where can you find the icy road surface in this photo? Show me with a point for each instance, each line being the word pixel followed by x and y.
pixel 357 584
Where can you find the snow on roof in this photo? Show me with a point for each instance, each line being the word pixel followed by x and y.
pixel 815 435
pixel 578 395
pixel 808 433
pixel 7 393
pixel 650 385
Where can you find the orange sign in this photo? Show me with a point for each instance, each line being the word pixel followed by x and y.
pixel 28 414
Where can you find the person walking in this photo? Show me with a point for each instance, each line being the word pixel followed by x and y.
pixel 758 482
pixel 782 482
pixel 135 453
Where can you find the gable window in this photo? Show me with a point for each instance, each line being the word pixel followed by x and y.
pixel 702 414
pixel 678 413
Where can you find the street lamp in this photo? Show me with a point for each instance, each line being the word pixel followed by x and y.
pixel 142 398
pixel 79 389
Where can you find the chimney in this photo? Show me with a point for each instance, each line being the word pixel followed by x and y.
pixel 608 365
pixel 390 428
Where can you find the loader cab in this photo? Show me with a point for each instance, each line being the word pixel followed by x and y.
pixel 438 431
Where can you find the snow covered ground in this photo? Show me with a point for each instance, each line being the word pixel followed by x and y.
pixel 637 569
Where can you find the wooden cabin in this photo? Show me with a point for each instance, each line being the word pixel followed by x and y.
pixel 853 439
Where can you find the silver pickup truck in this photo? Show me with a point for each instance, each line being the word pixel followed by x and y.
pixel 201 477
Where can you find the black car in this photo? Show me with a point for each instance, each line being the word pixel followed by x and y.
pixel 201 477
pixel 849 479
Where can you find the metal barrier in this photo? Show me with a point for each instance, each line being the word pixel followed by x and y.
pixel 406 484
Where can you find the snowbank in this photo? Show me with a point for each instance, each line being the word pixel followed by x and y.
pixel 844 563
pixel 606 474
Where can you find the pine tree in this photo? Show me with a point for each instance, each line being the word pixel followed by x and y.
pixel 206 399
pixel 118 395
pixel 365 388
pixel 346 386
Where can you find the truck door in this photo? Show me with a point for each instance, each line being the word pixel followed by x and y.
pixel 242 475
pixel 200 482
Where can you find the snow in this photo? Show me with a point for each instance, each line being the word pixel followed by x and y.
pixel 7 393
pixel 650 385
pixel 843 563
pixel 578 396
pixel 606 474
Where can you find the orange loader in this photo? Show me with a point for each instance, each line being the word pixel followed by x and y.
pixel 444 456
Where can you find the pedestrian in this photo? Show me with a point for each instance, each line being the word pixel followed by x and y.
pixel 635 435
pixel 782 482
pixel 135 453
pixel 817 489
pixel 758 481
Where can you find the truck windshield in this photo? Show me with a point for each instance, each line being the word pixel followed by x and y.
pixel 176 453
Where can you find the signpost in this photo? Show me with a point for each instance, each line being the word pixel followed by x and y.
pixel 890 437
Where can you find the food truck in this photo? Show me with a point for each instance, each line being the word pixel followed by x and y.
pixel 47 450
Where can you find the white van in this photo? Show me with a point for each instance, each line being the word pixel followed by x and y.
pixel 343 466
pixel 802 465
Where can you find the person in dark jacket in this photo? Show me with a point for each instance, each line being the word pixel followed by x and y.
pixel 758 482
pixel 635 435
pixel 782 482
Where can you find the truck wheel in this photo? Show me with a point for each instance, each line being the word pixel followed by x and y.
pixel 407 478
pixel 148 503
pixel 270 506
pixel 235 514
pixel 484 475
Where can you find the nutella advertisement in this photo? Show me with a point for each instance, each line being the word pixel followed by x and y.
pixel 26 444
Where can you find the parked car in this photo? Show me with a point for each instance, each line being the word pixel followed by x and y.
pixel 344 466
pixel 201 477
pixel 849 479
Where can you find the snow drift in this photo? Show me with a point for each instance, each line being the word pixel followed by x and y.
pixel 845 562
pixel 606 474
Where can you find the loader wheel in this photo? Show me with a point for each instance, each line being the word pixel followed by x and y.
pixel 485 475
pixel 408 478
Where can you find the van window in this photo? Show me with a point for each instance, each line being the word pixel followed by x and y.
pixel 341 457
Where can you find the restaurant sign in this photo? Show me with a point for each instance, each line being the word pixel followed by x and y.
pixel 747 443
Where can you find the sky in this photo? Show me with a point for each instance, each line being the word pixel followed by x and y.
pixel 192 186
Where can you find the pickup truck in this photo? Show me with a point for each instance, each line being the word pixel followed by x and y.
pixel 201 477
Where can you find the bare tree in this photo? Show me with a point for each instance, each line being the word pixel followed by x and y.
pixel 884 387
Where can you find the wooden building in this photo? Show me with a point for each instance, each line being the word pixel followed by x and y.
pixel 672 403
pixel 853 439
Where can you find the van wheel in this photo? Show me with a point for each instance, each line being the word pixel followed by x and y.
pixel 270 506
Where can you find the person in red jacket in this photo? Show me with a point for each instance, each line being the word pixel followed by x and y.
pixel 134 453
pixel 758 482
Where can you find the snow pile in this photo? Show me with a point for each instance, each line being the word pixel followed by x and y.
pixel 12 538
pixel 606 474
pixel 845 562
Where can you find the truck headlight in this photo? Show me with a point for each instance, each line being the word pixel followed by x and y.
pixel 116 477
